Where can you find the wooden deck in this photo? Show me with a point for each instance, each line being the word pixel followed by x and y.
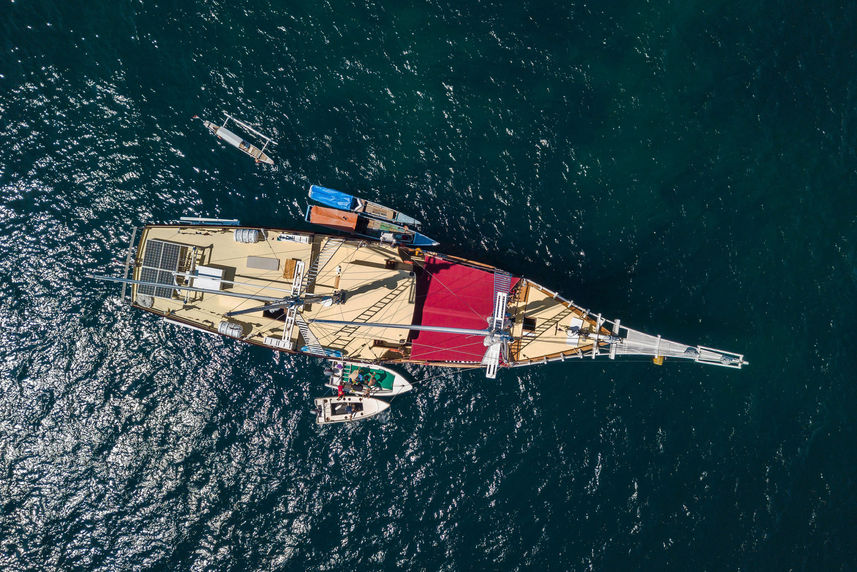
pixel 542 323
pixel 379 283
pixel 380 287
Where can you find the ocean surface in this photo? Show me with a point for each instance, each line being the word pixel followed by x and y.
pixel 688 167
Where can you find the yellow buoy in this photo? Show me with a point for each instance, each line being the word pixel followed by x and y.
pixel 658 360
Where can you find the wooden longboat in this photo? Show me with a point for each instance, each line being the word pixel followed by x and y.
pixel 366 226
pixel 224 134
pixel 346 202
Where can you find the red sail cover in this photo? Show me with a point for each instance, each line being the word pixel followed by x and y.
pixel 456 296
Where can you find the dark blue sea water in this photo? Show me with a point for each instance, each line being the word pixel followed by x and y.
pixel 688 167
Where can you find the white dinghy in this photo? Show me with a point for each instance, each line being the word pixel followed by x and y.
pixel 366 380
pixel 236 141
pixel 347 408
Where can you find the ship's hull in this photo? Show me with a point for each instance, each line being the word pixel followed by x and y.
pixel 223 280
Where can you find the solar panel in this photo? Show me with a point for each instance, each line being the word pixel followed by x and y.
pixel 160 262
pixel 152 256
pixel 148 275
pixel 170 256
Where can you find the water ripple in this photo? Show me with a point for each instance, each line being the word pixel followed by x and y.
pixel 666 164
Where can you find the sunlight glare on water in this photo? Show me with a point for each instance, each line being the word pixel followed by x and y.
pixel 686 168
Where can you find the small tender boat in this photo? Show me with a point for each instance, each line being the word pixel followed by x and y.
pixel 347 408
pixel 346 202
pixel 365 226
pixel 236 141
pixel 358 378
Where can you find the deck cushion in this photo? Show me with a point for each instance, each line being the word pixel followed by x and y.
pixel 263 263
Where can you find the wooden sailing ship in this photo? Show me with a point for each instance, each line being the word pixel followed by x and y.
pixel 369 302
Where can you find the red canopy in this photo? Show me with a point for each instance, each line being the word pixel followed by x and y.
pixel 456 296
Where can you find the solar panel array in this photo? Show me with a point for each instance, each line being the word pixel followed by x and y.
pixel 160 261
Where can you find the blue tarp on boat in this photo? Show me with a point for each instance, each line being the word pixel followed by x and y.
pixel 423 240
pixel 332 198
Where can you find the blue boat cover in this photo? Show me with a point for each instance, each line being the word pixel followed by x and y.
pixel 327 351
pixel 332 198
pixel 423 240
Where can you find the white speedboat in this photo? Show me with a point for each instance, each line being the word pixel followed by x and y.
pixel 347 408
pixel 366 380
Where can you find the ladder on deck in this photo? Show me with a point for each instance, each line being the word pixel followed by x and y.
pixel 344 335
pixel 292 312
pixel 542 328
pixel 312 343
pixel 502 282
pixel 330 248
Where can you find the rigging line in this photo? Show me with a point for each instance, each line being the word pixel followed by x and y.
pixel 587 358
pixel 256 292
pixel 449 374
pixel 269 282
pixel 335 327
pixel 368 272
pixel 327 331
pixel 467 359
pixel 340 308
pixel 345 264
pixel 434 349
